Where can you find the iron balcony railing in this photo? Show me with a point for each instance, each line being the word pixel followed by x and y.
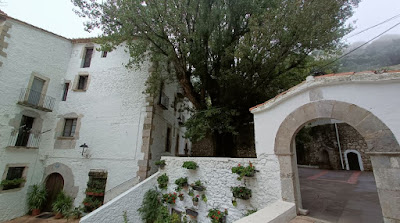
pixel 35 99
pixel 24 138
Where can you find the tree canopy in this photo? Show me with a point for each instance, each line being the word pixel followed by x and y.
pixel 227 55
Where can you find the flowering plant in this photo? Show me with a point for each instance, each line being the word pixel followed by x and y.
pixel 242 171
pixel 196 198
pixel 169 198
pixel 180 197
pixel 216 215
pixel 241 192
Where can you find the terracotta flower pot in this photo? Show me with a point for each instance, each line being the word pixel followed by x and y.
pixel 195 203
pixel 181 198
pixel 35 212
pixel 58 215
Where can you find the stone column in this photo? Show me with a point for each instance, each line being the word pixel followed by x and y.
pixel 386 167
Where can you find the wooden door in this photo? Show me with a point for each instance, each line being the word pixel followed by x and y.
pixel 54 185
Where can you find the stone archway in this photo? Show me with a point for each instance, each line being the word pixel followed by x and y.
pixel 67 175
pixel 380 140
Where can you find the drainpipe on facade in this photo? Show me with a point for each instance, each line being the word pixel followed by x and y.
pixel 340 149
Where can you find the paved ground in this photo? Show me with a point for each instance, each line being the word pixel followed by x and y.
pixel 340 196
pixel 30 219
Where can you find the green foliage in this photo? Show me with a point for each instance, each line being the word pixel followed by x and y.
pixel 151 206
pixel 210 119
pixel 181 182
pixel 249 212
pixel 196 198
pixel 62 204
pixel 242 171
pixel 234 203
pixel 76 212
pixel 160 163
pixel 91 203
pixel 169 198
pixel 241 192
pixel 191 193
pixel 227 55
pixel 95 190
pixel 125 216
pixel 97 183
pixel 12 182
pixel 190 165
pixel 36 196
pixel 216 215
pixel 163 181
pixel 204 198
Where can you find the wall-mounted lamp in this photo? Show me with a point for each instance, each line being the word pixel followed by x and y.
pixel 84 146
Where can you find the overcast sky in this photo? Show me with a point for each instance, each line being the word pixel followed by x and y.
pixel 57 16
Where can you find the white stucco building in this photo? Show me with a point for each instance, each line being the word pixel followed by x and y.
pixel 59 95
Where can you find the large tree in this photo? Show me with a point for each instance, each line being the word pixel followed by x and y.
pixel 227 55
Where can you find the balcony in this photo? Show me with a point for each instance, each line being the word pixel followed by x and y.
pixel 34 99
pixel 22 138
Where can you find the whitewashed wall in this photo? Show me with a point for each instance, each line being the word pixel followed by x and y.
pixel 112 110
pixel 29 50
pixel 216 176
pixel 375 93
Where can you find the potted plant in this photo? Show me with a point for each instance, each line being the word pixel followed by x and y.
pixel 62 205
pixel 169 198
pixel 190 165
pixel 36 198
pixel 242 171
pixel 198 186
pixel 217 216
pixel 11 184
pixel 241 192
pixel 204 198
pixel 94 192
pixel 181 197
pixel 196 200
pixel 163 181
pixel 160 163
pixel 182 183
pixel 76 213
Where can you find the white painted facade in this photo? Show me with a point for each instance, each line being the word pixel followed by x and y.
pixel 216 175
pixel 110 112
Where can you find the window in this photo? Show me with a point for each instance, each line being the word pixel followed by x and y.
pixel 14 178
pixel 24 131
pixel 88 57
pixel 82 82
pixel 104 54
pixel 64 97
pixel 69 127
pixel 168 142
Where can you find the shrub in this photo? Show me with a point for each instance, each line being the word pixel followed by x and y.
pixel 151 205
pixel 242 171
pixel 160 163
pixel 249 212
pixel 190 165
pixel 163 181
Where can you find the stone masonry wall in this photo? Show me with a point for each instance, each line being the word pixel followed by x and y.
pixel 323 137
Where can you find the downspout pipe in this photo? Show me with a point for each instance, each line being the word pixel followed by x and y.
pixel 340 148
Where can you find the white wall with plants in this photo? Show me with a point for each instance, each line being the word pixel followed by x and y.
pixel 200 187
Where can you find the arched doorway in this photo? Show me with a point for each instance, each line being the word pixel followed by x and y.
pixel 54 185
pixel 380 140
pixel 353 161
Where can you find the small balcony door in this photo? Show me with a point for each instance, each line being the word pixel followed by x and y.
pixel 36 91
pixel 24 131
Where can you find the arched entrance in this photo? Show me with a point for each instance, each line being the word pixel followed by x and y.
pixel 54 185
pixel 379 138
pixel 353 160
